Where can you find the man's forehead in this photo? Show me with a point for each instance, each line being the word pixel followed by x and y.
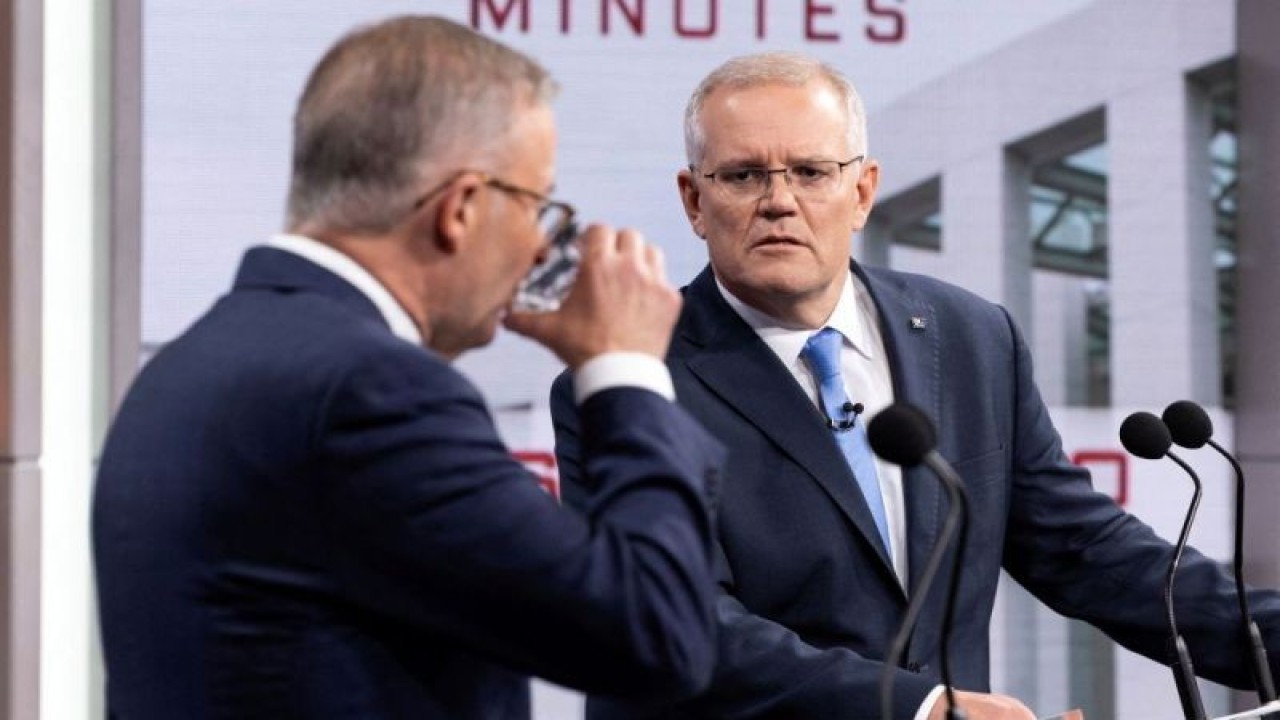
pixel 815 91
pixel 746 127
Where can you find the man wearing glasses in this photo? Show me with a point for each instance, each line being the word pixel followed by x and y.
pixel 303 511
pixel 784 348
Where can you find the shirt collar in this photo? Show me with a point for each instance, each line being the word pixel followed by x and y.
pixel 344 267
pixel 787 341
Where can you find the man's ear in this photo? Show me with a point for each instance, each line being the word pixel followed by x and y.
pixel 867 185
pixel 456 217
pixel 691 198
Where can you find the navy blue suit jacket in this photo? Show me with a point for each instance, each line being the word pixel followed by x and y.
pixel 810 602
pixel 299 515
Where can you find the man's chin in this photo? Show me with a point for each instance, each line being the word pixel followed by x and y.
pixel 474 340
pixel 780 285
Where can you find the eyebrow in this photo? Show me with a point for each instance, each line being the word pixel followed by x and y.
pixel 762 164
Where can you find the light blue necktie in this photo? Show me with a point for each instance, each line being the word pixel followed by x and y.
pixel 822 353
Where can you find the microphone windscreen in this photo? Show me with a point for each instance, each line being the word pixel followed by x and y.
pixel 1145 435
pixel 902 434
pixel 1189 425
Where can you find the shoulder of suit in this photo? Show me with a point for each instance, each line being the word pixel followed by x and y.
pixel 937 292
pixel 342 341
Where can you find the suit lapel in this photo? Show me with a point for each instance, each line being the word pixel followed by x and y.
pixel 733 363
pixel 909 329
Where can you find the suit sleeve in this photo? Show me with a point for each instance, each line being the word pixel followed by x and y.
pixel 1087 558
pixel 763 668
pixel 435 528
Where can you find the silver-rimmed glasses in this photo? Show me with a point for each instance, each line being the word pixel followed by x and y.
pixel 805 178
pixel 553 215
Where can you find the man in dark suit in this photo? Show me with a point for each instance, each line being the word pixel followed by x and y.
pixel 303 511
pixel 816 563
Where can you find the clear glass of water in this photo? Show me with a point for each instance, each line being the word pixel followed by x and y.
pixel 548 282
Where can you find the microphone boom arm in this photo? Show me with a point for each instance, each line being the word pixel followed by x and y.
pixel 1184 674
pixel 953 522
pixel 1261 667
pixel 959 499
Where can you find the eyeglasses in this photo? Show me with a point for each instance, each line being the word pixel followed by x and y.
pixel 806 178
pixel 553 216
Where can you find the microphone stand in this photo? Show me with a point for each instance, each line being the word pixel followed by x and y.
pixel 960 499
pixel 1184 675
pixel 953 522
pixel 1261 667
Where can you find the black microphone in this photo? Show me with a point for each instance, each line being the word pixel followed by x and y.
pixel 1190 427
pixel 1146 436
pixel 851 411
pixel 903 435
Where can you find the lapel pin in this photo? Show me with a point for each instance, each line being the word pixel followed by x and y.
pixel 918 323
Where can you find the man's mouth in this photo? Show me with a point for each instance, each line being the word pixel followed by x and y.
pixel 772 240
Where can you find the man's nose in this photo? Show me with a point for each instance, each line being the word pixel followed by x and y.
pixel 779 197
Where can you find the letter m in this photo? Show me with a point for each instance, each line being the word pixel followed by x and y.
pixel 499 16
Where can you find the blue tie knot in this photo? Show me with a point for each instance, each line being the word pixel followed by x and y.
pixel 822 352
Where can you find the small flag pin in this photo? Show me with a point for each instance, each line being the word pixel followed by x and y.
pixel 917 323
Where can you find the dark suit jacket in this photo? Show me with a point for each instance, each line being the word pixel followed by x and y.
pixel 810 602
pixel 299 515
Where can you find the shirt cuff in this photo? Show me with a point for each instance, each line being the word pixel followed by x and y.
pixel 622 369
pixel 929 700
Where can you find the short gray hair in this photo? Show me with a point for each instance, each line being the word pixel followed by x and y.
pixel 392 102
pixel 774 68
